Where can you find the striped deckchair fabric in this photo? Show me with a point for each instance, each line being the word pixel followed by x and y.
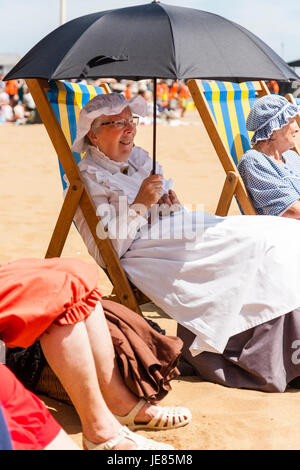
pixel 223 108
pixel 230 104
pixel 59 104
pixel 67 99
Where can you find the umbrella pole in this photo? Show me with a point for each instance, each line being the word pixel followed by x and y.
pixel 154 124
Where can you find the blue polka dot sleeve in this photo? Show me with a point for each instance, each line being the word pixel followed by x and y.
pixel 273 188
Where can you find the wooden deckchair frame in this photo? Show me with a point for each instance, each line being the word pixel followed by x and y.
pixel 78 196
pixel 234 184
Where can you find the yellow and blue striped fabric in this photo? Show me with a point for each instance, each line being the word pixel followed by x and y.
pixel 67 99
pixel 230 104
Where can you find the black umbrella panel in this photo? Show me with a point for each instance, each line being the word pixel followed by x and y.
pixel 294 63
pixel 154 40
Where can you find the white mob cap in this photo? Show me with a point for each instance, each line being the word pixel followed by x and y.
pixel 105 104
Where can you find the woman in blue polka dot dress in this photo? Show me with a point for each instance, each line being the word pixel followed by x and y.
pixel 271 170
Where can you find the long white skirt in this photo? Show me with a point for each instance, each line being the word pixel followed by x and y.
pixel 236 273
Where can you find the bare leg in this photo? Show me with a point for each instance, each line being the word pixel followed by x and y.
pixel 62 442
pixel 118 397
pixel 68 352
pixel 115 392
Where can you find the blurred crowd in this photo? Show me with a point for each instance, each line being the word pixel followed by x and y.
pixel 16 103
pixel 173 98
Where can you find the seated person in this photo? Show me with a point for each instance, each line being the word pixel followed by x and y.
pixel 271 170
pixel 25 422
pixel 217 276
pixel 58 301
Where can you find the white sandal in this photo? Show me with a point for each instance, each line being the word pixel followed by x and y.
pixel 142 442
pixel 167 417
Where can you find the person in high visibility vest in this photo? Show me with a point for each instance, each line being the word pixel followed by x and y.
pixel 184 95
pixel 162 95
pixel 273 87
pixel 11 88
pixel 173 95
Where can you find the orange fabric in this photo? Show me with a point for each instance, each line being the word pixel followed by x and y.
pixel 11 87
pixel 35 293
pixel 184 91
pixel 30 424
pixel 273 86
pixel 128 93
pixel 162 93
pixel 174 91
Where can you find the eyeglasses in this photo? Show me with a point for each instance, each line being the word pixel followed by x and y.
pixel 122 123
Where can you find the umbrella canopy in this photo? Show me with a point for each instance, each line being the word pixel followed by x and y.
pixel 152 40
pixel 294 63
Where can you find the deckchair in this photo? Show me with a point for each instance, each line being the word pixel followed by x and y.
pixel 223 108
pixel 59 104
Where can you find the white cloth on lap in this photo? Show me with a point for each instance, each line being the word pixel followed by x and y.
pixel 237 272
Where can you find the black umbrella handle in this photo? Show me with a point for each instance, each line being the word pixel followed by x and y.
pixel 154 124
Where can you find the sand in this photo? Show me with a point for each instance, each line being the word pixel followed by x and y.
pixel 31 197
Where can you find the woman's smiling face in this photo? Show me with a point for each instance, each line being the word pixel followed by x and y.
pixel 116 143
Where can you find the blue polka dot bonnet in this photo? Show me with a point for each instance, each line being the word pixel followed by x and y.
pixel 268 114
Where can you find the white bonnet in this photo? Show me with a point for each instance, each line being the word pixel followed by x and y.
pixel 269 113
pixel 107 104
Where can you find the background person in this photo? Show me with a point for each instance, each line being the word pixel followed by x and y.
pixel 271 169
pixel 6 110
pixel 25 422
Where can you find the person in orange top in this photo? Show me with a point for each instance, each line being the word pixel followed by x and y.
pixel 173 95
pixel 11 88
pixel 25 419
pixel 58 302
pixel 184 95
pixel 162 93
pixel 127 92
pixel 273 87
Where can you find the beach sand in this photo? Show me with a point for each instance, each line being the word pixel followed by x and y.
pixel 31 197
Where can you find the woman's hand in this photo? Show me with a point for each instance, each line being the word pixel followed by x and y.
pixel 169 198
pixel 169 203
pixel 149 193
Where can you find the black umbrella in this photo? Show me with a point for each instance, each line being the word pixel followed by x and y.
pixel 294 63
pixel 152 41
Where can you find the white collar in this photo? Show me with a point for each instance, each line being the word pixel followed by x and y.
pixel 99 157
pixel 137 159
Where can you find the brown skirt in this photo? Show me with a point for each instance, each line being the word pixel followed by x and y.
pixel 146 358
pixel 266 357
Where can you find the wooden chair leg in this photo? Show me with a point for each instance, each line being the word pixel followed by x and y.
pixel 64 221
pixel 227 194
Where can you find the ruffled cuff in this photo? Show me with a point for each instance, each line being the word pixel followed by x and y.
pixel 80 310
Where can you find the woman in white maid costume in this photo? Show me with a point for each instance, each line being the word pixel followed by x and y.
pixel 232 283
